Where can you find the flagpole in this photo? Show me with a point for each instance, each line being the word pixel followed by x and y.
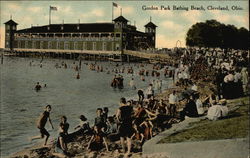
pixel 49 15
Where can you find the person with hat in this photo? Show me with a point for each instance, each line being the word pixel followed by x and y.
pixel 217 110
pixel 229 83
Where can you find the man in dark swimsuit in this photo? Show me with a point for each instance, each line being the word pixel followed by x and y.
pixel 141 95
pixel 124 115
pixel 41 124
pixel 38 87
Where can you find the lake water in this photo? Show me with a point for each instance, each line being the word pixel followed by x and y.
pixel 21 105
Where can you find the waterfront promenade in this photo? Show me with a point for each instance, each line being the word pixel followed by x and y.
pixel 110 55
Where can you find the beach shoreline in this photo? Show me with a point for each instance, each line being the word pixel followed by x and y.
pixel 31 150
pixel 193 79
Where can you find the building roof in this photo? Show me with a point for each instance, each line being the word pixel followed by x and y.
pixel 121 18
pixel 150 24
pixel 11 22
pixel 56 28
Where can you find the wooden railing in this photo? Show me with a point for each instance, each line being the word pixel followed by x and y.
pixel 146 55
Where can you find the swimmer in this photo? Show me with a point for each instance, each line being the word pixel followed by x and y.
pixel 38 87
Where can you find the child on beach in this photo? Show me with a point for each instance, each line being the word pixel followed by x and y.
pixel 61 142
pixel 65 127
pixel 97 140
pixel 81 129
pixel 138 135
pixel 41 124
pixel 99 120
pixel 147 127
pixel 83 126
pixel 112 129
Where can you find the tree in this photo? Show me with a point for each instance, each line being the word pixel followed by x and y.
pixel 215 34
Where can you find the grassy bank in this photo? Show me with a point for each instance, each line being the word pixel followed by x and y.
pixel 236 125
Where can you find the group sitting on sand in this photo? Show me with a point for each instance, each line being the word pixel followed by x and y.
pixel 134 121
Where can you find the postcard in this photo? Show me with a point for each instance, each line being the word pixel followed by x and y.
pixel 166 79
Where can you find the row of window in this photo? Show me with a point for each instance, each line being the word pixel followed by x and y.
pixel 68 35
pixel 68 38
pixel 66 45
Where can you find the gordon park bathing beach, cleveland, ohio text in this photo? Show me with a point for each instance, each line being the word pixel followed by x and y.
pixel 191 7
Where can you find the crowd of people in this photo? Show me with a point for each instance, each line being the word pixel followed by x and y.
pixel 140 120
pixel 135 120
pixel 227 69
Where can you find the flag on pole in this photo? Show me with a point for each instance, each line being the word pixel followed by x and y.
pixel 53 8
pixel 115 5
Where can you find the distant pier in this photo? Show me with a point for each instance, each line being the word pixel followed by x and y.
pixel 118 56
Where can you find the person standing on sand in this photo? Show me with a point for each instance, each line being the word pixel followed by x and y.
pixel 124 115
pixel 140 95
pixel 172 103
pixel 41 124
pixel 150 91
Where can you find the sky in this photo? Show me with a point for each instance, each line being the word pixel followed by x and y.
pixel 172 24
